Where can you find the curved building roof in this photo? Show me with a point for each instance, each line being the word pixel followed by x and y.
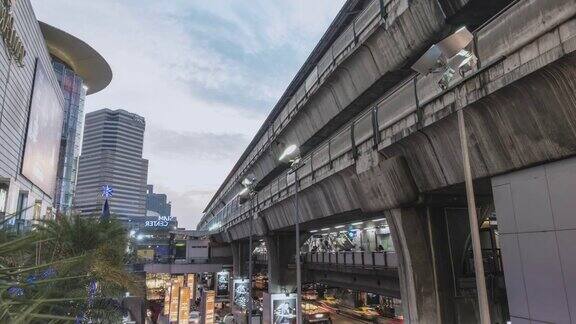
pixel 81 57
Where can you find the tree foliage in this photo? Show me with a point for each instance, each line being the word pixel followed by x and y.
pixel 66 270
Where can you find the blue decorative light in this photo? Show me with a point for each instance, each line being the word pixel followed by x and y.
pixel 48 273
pixel 31 279
pixel 107 191
pixel 15 292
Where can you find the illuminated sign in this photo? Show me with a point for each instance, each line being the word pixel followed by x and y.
pixel 283 308
pixel 166 309
pixel 184 306
pixel 222 280
pixel 191 283
pixel 208 299
pixel 241 292
pixel 163 221
pixel 11 39
pixel 174 298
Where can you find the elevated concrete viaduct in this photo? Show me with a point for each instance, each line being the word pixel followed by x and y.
pixel 379 140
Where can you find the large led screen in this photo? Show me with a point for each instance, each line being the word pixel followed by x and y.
pixel 41 151
pixel 241 292
pixel 222 279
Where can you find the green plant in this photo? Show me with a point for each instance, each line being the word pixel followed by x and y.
pixel 64 270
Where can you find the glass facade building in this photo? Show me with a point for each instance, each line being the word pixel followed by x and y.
pixel 74 91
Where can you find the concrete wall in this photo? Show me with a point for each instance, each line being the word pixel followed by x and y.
pixel 15 93
pixel 535 211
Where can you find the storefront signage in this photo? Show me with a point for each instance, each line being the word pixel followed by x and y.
pixel 283 308
pixel 163 221
pixel 222 279
pixel 184 307
pixel 11 39
pixel 240 292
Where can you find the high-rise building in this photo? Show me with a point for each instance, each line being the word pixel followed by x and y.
pixel 32 109
pixel 76 81
pixel 157 202
pixel 112 156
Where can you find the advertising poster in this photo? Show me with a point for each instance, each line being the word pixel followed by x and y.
pixel 283 308
pixel 208 300
pixel 240 292
pixel 222 280
pixel 174 301
pixel 42 147
pixel 184 306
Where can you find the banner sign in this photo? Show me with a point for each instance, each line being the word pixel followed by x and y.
pixel 174 298
pixel 208 300
pixel 191 283
pixel 184 306
pixel 166 309
pixel 240 292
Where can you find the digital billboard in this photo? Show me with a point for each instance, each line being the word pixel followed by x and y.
pixel 42 146
pixel 222 279
pixel 283 308
pixel 241 291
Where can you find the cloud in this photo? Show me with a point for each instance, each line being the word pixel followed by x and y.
pixel 194 145
pixel 204 74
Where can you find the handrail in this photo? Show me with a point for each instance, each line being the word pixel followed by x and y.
pixel 382 259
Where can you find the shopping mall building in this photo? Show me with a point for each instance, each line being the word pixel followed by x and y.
pixel 45 74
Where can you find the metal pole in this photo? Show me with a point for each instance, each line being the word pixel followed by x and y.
pixel 473 219
pixel 250 264
pixel 298 273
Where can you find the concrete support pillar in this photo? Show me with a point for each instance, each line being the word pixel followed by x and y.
pixel 281 266
pixel 416 266
pixel 239 258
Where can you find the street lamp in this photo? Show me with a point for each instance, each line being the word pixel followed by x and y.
pixel 249 183
pixel 446 57
pixel 291 155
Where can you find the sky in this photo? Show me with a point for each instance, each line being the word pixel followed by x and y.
pixel 204 74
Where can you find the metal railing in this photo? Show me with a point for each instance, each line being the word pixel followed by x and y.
pixel 387 259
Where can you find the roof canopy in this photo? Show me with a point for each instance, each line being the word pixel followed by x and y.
pixel 81 57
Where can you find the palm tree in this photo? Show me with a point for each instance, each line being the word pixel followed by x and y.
pixel 66 270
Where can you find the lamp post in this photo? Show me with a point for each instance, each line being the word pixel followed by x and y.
pixel 447 57
pixel 247 194
pixel 291 155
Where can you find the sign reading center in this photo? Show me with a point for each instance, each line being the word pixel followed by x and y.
pixel 162 221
